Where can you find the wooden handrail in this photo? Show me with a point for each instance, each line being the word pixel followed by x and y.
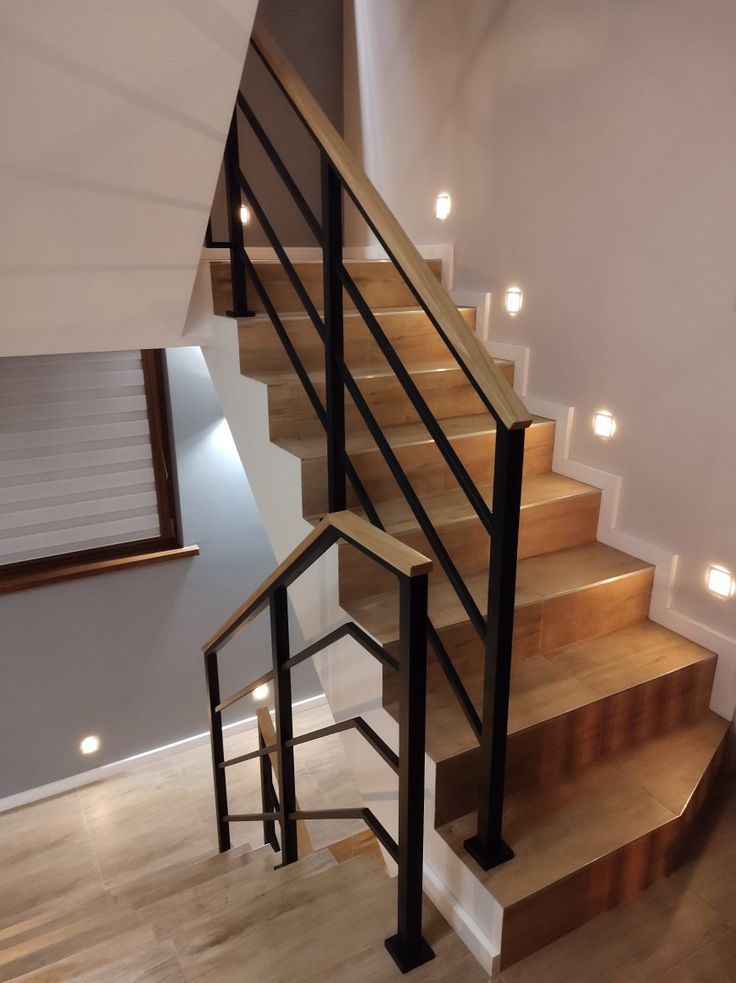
pixel 379 545
pixel 470 350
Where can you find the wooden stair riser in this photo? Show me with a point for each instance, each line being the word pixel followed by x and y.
pixel 544 528
pixel 446 393
pixel 562 746
pixel 411 334
pixel 425 467
pixel 606 883
pixel 380 284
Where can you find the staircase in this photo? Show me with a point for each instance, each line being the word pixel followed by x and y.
pixel 611 743
pixel 610 747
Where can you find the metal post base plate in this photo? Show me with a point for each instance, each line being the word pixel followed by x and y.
pixel 487 858
pixel 406 961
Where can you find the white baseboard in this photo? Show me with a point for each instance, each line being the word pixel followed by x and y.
pixel 105 771
pixel 461 921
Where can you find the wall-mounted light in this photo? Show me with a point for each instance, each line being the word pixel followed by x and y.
pixel 261 692
pixel 721 581
pixel 244 214
pixel 90 744
pixel 514 300
pixel 604 424
pixel 443 206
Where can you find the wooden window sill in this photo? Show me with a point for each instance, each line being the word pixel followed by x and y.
pixel 24 580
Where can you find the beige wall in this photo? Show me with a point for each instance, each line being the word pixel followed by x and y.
pixel 113 118
pixel 590 149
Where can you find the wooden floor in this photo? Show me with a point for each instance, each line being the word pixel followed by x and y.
pixel 120 881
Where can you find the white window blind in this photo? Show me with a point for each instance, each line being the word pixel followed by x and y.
pixel 76 469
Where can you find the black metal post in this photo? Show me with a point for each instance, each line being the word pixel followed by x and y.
pixel 487 847
pixel 218 751
pixel 284 724
pixel 334 335
pixel 269 802
pixel 408 947
pixel 234 224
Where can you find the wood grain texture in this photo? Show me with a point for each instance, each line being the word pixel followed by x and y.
pixel 436 300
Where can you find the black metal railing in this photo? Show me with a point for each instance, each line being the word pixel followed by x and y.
pixel 500 520
pixel 407 946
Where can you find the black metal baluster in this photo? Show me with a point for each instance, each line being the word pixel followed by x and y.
pixel 487 847
pixel 269 802
pixel 284 724
pixel 218 750
pixel 408 947
pixel 234 223
pixel 334 335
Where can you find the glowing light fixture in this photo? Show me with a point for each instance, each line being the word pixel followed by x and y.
pixel 261 692
pixel 90 744
pixel 604 424
pixel 514 300
pixel 721 581
pixel 443 206
pixel 244 214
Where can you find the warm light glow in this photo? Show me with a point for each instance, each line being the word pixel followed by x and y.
pixel 244 214
pixel 514 300
pixel 721 581
pixel 604 424
pixel 443 206
pixel 90 745
pixel 260 692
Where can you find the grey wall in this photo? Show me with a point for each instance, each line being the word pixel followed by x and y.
pixel 589 149
pixel 311 35
pixel 119 654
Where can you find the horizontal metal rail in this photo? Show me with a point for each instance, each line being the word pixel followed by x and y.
pixel 349 629
pixel 368 817
pixel 245 691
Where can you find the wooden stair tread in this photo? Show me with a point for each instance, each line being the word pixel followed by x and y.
pixel 539 578
pixel 550 685
pixel 452 505
pixel 560 829
pixel 369 370
pixel 311 445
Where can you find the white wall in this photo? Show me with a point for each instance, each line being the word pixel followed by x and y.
pixel 589 148
pixel 113 119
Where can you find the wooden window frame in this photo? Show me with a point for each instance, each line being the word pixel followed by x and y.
pixel 121 556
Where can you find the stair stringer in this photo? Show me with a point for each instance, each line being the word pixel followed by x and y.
pixel 351 680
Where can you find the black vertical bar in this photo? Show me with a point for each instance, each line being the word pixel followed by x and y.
pixel 284 724
pixel 234 224
pixel 334 335
pixel 408 947
pixel 268 799
pixel 488 847
pixel 208 240
pixel 218 751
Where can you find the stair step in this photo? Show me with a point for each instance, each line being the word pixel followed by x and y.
pixel 568 708
pixel 126 958
pixel 561 597
pixel 379 281
pixel 585 845
pixel 412 335
pixel 443 387
pixel 556 513
pixel 473 438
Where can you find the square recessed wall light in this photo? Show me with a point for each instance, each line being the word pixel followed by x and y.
pixel 261 692
pixel 514 300
pixel 721 581
pixel 604 424
pixel 443 206
pixel 90 744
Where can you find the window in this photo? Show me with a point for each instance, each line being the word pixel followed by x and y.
pixel 86 470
